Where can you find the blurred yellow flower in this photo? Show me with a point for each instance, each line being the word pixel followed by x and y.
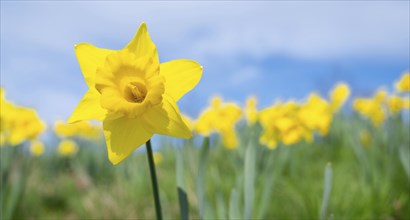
pixel 18 124
pixel 133 94
pixel 365 138
pixel 269 138
pixel 157 158
pixel 229 138
pixel 220 117
pixel 339 95
pixel 251 111
pixel 316 114
pixel 24 124
pixel 67 148
pixel 281 122
pixel 396 104
pixel 403 85
pixel 82 128
pixel 406 103
pixel 36 148
pixel 373 107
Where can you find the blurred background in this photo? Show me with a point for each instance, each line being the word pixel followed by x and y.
pixel 274 50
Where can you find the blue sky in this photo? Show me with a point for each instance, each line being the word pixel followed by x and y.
pixel 274 50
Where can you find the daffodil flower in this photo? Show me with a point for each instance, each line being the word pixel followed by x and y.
pixel 220 117
pixel 67 148
pixel 403 85
pixel 36 148
pixel 18 124
pixel 133 94
pixel 251 111
pixel 339 95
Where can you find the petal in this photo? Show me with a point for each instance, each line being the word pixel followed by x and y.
pixel 89 108
pixel 166 119
pixel 142 45
pixel 180 76
pixel 123 136
pixel 90 58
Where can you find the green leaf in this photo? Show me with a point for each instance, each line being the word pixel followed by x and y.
pixel 327 190
pixel 181 190
pixel 276 162
pixel 234 212
pixel 200 183
pixel 249 180
pixel 405 159
pixel 221 206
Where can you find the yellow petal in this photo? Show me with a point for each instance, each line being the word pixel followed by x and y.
pixel 123 136
pixel 89 108
pixel 90 58
pixel 142 45
pixel 180 76
pixel 166 119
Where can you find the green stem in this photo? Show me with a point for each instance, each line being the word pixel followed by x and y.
pixel 154 180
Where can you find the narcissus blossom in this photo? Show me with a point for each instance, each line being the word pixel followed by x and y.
pixel 67 148
pixel 396 104
pixel 157 158
pixel 221 118
pixel 372 108
pixel 339 95
pixel 18 124
pixel 82 128
pixel 280 123
pixel 403 85
pixel 251 111
pixel 36 148
pixel 133 94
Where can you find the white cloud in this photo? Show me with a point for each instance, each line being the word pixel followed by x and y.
pixel 301 29
pixel 37 38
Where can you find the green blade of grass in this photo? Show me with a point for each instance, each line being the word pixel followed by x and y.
pixel 181 189
pixel 234 212
pixel 221 206
pixel 276 163
pixel 405 159
pixel 200 183
pixel 249 180
pixel 327 190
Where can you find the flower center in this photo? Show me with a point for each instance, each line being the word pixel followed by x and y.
pixel 129 85
pixel 135 92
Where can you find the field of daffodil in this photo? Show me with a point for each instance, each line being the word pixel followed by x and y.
pixel 322 157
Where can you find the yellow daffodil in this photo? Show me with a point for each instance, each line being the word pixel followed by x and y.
pixel 365 138
pixel 339 95
pixel 396 104
pixel 82 128
pixel 316 114
pixel 403 85
pixel 220 117
pixel 251 111
pixel 133 94
pixel 36 148
pixel 269 138
pixel 157 158
pixel 18 124
pixel 281 123
pixel 67 148
pixel 373 107
pixel 406 103
pixel 24 124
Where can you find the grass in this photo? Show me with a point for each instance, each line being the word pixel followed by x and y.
pixel 251 182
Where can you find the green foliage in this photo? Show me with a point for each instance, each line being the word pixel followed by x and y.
pixel 208 181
